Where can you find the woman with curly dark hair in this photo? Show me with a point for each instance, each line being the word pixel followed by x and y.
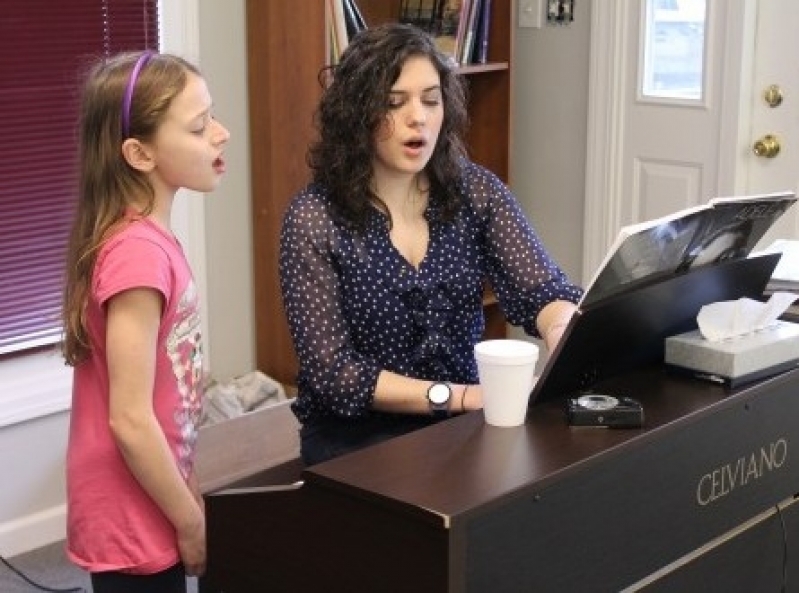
pixel 384 254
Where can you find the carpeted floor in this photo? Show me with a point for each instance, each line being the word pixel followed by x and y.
pixel 47 569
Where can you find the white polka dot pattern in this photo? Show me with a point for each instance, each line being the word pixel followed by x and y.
pixel 355 306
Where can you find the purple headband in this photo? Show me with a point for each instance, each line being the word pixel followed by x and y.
pixel 134 75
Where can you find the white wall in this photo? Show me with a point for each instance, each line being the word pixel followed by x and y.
pixel 550 88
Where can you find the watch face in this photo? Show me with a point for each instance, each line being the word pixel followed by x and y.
pixel 438 394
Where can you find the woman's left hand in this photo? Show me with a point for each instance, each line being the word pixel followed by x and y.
pixel 471 399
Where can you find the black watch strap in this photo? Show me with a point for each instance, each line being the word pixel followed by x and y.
pixel 439 398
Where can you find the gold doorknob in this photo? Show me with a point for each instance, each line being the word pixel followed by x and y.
pixel 773 95
pixel 767 147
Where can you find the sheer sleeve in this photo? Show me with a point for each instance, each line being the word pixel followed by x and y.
pixel 337 380
pixel 523 275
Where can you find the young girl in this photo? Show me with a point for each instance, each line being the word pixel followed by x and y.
pixel 132 328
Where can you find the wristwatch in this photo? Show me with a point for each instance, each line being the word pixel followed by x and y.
pixel 439 396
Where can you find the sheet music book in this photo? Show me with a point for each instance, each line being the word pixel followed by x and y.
pixel 724 228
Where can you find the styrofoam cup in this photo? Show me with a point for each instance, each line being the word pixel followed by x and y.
pixel 507 373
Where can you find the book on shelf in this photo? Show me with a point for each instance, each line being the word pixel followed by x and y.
pixel 480 55
pixel 345 21
pixel 338 29
pixel 444 20
pixel 724 228
pixel 469 31
pixel 353 19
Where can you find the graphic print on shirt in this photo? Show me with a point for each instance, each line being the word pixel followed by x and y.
pixel 184 348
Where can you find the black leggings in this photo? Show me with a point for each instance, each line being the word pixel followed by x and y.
pixel 171 580
pixel 325 439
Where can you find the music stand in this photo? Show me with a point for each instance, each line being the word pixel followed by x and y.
pixel 627 330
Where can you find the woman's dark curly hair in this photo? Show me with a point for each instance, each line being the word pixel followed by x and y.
pixel 356 103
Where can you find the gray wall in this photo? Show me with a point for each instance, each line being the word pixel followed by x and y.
pixel 549 144
pixel 550 113
pixel 551 78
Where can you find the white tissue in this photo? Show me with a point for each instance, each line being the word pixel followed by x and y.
pixel 729 319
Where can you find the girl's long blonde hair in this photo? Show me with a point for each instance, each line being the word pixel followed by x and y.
pixel 107 184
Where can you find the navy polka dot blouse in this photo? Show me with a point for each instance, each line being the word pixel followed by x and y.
pixel 355 306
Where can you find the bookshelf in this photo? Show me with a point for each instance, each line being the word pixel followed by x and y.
pixel 286 48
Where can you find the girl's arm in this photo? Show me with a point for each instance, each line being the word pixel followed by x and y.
pixel 133 318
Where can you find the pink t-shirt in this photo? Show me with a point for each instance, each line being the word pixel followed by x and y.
pixel 112 523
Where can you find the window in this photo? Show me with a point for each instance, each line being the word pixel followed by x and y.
pixel 43 46
pixel 674 48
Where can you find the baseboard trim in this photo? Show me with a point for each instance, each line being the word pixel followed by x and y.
pixel 33 531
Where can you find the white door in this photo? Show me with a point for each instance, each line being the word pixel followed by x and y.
pixel 652 152
pixel 776 66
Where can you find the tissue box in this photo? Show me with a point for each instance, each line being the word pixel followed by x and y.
pixel 737 360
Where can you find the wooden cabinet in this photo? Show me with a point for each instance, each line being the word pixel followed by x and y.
pixel 286 49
